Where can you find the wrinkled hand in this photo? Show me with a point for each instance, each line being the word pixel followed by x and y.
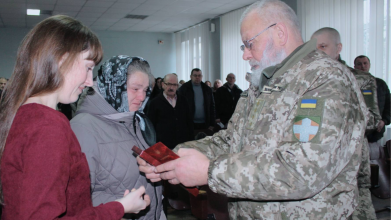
pixel 134 202
pixel 191 169
pixel 380 125
pixel 150 171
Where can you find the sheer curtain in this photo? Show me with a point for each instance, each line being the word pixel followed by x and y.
pixel 364 26
pixel 231 55
pixel 192 51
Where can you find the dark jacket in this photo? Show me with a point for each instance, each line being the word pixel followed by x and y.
pixel 383 101
pixel 172 125
pixel 186 90
pixel 226 100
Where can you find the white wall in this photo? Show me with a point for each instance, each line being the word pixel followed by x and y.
pixel 145 44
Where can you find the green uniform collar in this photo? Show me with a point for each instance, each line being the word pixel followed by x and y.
pixel 298 54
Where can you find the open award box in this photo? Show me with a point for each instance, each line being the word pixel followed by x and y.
pixel 158 154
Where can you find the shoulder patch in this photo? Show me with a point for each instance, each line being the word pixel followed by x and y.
pixel 305 128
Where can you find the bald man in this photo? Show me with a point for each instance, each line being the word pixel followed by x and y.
pixel 329 41
pixel 286 153
pixel 226 98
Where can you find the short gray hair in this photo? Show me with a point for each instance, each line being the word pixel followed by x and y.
pixel 142 66
pixel 274 11
pixel 172 74
pixel 331 31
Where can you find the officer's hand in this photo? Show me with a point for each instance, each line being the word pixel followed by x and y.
pixel 191 169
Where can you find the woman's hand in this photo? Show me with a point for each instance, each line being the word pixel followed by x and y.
pixel 134 201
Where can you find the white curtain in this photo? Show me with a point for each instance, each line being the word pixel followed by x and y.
pixel 231 55
pixel 192 51
pixel 364 26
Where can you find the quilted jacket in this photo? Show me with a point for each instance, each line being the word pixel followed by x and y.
pixel 107 137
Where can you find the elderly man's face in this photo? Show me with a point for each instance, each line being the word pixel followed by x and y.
pixel 327 44
pixel 362 64
pixel 170 85
pixel 263 52
pixel 3 82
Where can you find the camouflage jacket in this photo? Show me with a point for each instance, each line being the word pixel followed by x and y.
pixel 367 85
pixel 292 151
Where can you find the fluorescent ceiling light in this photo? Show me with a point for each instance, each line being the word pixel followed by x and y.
pixel 33 12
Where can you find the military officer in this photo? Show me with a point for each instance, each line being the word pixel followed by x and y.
pixel 329 41
pixel 287 153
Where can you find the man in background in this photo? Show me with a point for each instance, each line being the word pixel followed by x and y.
pixel 226 98
pixel 170 114
pixel 200 99
pixel 329 41
pixel 3 83
pixel 363 63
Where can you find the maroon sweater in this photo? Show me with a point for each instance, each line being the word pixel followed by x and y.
pixel 44 173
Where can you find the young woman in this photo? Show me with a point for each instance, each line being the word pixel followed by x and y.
pixel 44 174
pixel 109 123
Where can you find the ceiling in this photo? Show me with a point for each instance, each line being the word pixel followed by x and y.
pixel 163 15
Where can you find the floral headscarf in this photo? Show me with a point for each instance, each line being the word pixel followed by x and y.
pixel 111 81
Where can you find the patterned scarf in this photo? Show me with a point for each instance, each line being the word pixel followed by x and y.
pixel 111 81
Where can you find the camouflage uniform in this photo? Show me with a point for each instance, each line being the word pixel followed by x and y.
pixel 266 164
pixel 367 84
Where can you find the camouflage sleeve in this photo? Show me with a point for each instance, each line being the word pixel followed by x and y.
pixel 290 169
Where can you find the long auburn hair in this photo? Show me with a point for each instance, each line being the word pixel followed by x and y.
pixel 37 70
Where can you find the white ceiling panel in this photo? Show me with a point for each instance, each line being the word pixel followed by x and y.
pixel 40 1
pixel 161 2
pixel 115 28
pixel 67 8
pixel 99 28
pixel 12 5
pixel 126 21
pixel 71 2
pixel 69 13
pixel 40 6
pixel 113 15
pixel 138 11
pixel 13 1
pixel 99 4
pixel 163 15
pixel 133 1
pixel 123 5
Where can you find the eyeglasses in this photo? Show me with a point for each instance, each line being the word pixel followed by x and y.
pixel 169 84
pixel 247 43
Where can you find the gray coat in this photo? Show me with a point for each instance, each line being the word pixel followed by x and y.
pixel 107 137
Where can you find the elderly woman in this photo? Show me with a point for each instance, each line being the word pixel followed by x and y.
pixel 109 122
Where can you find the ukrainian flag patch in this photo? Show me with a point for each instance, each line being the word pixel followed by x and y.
pixel 367 92
pixel 308 103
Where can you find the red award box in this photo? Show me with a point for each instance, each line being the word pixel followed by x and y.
pixel 158 154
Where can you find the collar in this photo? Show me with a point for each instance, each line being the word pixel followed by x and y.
pixel 298 54
pixel 168 98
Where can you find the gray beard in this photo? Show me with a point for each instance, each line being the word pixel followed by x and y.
pixel 270 57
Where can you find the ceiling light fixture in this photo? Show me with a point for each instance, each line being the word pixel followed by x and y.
pixel 35 12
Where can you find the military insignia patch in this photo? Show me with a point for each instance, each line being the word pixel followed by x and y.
pixel 308 103
pixel 305 128
pixel 255 111
pixel 367 92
